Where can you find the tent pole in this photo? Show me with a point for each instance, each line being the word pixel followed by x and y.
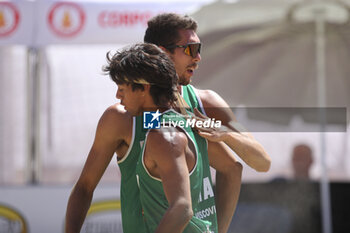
pixel 33 114
pixel 321 92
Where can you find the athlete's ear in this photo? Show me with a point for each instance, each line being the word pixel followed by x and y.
pixel 164 49
pixel 146 87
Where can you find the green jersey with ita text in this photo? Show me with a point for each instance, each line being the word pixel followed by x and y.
pixel 206 208
pixel 152 196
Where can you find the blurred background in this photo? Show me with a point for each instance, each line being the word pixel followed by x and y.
pixel 281 65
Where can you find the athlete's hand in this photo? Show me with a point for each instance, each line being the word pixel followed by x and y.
pixel 212 134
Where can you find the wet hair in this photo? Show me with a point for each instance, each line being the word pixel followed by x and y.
pixel 163 29
pixel 144 64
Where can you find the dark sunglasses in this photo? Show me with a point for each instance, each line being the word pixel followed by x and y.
pixel 191 49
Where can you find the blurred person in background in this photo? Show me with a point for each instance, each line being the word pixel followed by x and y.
pixel 302 160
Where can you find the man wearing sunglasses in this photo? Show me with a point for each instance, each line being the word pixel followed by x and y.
pixel 176 35
pixel 119 132
pixel 191 49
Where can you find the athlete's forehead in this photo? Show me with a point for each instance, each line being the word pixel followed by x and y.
pixel 188 36
pixel 124 87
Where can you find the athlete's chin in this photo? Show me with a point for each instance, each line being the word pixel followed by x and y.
pixel 132 113
pixel 184 81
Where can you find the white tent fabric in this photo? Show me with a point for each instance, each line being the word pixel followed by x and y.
pixel 260 48
pixel 280 54
pixel 259 54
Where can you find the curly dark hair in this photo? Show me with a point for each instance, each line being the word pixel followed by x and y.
pixel 144 63
pixel 163 29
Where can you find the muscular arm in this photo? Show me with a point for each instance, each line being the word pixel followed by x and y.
pixel 243 143
pixel 108 136
pixel 228 182
pixel 165 157
pixel 228 170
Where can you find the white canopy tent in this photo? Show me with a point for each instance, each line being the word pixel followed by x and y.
pixel 280 54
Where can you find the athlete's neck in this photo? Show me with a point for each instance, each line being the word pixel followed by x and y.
pixel 179 89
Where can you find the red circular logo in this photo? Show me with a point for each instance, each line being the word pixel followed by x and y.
pixel 9 18
pixel 66 19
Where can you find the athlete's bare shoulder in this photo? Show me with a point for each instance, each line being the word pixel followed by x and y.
pixel 117 111
pixel 215 106
pixel 163 146
pixel 210 98
pixel 166 138
pixel 116 119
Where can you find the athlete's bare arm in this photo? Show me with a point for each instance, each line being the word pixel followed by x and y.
pixel 243 143
pixel 228 182
pixel 167 157
pixel 228 170
pixel 112 133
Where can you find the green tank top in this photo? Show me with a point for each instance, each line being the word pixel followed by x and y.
pixel 206 208
pixel 152 195
pixel 132 219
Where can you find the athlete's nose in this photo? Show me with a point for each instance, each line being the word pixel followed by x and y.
pixel 197 58
pixel 118 95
